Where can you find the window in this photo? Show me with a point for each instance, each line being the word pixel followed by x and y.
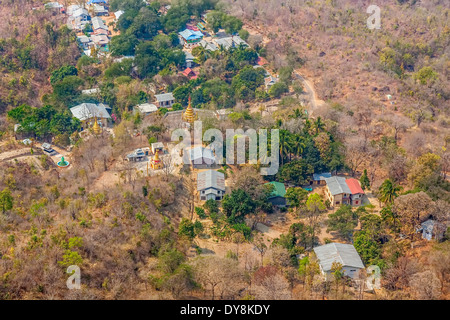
pixel 337 202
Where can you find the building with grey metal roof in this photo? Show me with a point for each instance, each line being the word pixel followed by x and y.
pixel 337 185
pixel 338 191
pixel 146 108
pixel 342 253
pixel 86 111
pixel 211 185
pixel 230 42
pixel 97 23
pixel 165 100
pixel 208 45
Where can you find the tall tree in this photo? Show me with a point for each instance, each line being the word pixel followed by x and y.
pixel 388 191
pixel 6 200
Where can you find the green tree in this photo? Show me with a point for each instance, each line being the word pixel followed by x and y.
pixel 169 260
pixel 425 75
pixel 344 221
pixel 177 106
pixel 277 89
pixel 238 204
pixel 296 196
pixel 388 191
pixel 63 72
pixel 71 258
pixel 186 228
pixel 6 200
pixel 313 210
pixel 364 180
pixel 368 248
pixel 296 171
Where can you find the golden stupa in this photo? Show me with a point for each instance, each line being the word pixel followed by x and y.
pixel 96 127
pixel 189 115
pixel 156 163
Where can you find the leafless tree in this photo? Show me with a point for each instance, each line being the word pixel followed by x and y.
pixel 426 285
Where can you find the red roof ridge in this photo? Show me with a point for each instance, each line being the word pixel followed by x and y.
pixel 354 186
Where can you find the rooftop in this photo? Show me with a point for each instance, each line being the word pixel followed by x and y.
pixel 188 34
pixel 230 42
pixel 86 111
pixel 80 12
pixel 164 97
pixel 279 189
pixel 345 254
pixel 354 186
pixel 321 176
pixel 210 179
pixel 117 14
pixel 98 23
pixel 208 45
pixel 337 185
pixel 158 145
pixel 147 108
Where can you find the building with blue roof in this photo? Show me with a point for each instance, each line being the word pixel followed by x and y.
pixel 97 2
pixel 190 37
pixel 319 178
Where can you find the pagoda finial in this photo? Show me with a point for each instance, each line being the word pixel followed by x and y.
pixel 189 115
pixel 96 127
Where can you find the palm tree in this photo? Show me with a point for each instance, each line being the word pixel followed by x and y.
pixel 297 114
pixel 390 216
pixel 298 145
pixel 388 191
pixel 319 125
pixel 284 144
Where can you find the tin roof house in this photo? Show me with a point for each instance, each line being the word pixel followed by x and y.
pixel 86 112
pixel 164 100
pixel 319 178
pixel 97 23
pixel 345 254
pixel 337 191
pixel 356 192
pixel 145 109
pixel 277 197
pixel 211 185
pixel 190 38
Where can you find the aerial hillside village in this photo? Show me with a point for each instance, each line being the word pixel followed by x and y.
pixel 92 176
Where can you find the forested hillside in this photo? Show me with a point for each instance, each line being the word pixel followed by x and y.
pixel 364 112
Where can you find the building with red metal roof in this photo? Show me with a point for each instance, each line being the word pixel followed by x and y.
pixel 356 191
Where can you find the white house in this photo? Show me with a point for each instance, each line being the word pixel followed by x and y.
pixel 97 23
pixel 343 253
pixel 146 108
pixel 211 185
pixel 86 112
pixel 165 100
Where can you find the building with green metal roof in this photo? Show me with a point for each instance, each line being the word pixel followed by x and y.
pixel 277 197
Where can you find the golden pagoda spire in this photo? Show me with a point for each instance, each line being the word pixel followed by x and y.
pixel 156 157
pixel 189 115
pixel 96 127
pixel 156 163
